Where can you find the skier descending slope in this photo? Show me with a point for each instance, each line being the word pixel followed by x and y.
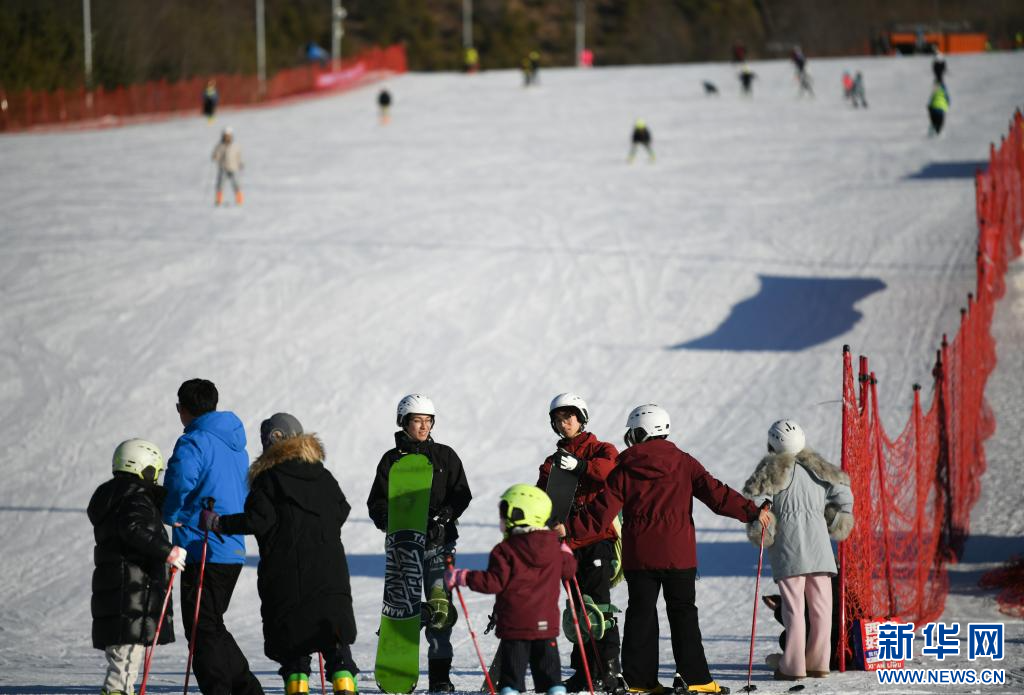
pixel 590 460
pixel 449 497
pixel 654 485
pixel 525 570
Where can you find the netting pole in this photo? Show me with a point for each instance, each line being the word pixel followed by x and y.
pixel 876 428
pixel 841 647
pixel 920 496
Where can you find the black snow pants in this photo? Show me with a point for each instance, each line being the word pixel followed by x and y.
pixel 594 574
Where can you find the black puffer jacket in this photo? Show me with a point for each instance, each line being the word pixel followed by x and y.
pixel 131 575
pixel 448 489
pixel 296 509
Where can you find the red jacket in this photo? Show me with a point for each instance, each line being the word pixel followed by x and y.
pixel 599 458
pixel 654 485
pixel 526 572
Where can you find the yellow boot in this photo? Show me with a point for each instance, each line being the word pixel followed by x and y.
pixel 296 684
pixel 344 683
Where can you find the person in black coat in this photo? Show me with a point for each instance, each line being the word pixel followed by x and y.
pixel 131 555
pixel 296 510
pixel 449 497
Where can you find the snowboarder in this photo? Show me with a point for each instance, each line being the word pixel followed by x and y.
pixel 132 554
pixel 228 158
pixel 209 460
pixel 857 96
pixel 210 100
pixel 746 76
pixel 938 107
pixel 653 486
pixel 296 510
pixel 449 497
pixel 595 556
pixel 641 137
pixel 384 103
pixel 812 501
pixel 526 571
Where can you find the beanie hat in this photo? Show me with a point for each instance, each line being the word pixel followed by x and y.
pixel 277 427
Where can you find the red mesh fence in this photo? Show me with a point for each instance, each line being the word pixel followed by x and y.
pixel 29 109
pixel 914 493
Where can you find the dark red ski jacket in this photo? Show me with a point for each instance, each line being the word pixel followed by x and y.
pixel 599 458
pixel 526 571
pixel 654 485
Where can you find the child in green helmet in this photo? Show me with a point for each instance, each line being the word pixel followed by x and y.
pixel 526 571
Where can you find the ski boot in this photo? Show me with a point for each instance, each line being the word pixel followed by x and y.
pixel 239 198
pixel 576 683
pixel 658 689
pixel 219 200
pixel 557 690
pixel 614 684
pixel 296 684
pixel 709 687
pixel 344 683
pixel 439 676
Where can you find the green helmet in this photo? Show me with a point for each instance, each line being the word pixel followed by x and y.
pixel 525 505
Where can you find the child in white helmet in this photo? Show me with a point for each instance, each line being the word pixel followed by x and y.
pixel 132 556
pixel 526 571
pixel 811 500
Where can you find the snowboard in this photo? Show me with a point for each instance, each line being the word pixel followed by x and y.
pixel 398 649
pixel 561 488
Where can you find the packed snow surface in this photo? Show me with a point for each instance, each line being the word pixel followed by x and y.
pixel 491 247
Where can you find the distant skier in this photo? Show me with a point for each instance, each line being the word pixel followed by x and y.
pixel 228 157
pixel 526 571
pixel 799 59
pixel 939 67
pixel 812 502
pixel 296 510
pixel 847 86
pixel 641 137
pixel 938 107
pixel 857 95
pixel 531 68
pixel 210 100
pixel 132 555
pixel 384 104
pixel 449 497
pixel 746 76
pixel 471 60
pixel 581 451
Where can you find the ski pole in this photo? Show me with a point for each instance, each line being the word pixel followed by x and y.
pixel 199 597
pixel 472 632
pixel 753 623
pixel 579 636
pixel 590 628
pixel 156 637
pixel 323 683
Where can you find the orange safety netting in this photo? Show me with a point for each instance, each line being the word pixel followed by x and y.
pixel 914 493
pixel 29 109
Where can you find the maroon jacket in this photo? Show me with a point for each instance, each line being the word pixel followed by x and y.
pixel 526 571
pixel 599 458
pixel 654 485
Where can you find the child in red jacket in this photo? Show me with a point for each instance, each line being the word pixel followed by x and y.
pixel 526 571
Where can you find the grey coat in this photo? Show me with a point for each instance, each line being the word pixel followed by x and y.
pixel 811 501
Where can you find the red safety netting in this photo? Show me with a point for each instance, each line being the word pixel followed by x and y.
pixel 30 109
pixel 914 493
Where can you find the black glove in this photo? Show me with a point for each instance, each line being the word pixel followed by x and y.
pixel 492 622
pixel 438 526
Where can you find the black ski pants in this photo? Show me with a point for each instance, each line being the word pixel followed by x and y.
pixel 594 575
pixel 542 657
pixel 219 665
pixel 640 641
pixel 339 658
pixel 937 117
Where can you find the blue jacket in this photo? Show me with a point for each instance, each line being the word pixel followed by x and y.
pixel 209 460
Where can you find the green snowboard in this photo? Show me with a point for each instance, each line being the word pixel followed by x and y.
pixel 398 650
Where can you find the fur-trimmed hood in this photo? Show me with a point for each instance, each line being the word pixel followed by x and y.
pixel 303 447
pixel 774 472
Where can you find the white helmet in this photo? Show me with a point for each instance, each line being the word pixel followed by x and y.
pixel 135 456
pixel 646 421
pixel 414 404
pixel 569 400
pixel 786 437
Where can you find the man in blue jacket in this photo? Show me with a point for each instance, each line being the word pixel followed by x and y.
pixel 209 461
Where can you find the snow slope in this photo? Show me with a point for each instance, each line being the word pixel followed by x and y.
pixel 489 247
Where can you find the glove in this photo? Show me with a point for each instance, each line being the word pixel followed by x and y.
pixel 492 622
pixel 437 529
pixel 566 461
pixel 454 577
pixel 176 559
pixel 209 520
